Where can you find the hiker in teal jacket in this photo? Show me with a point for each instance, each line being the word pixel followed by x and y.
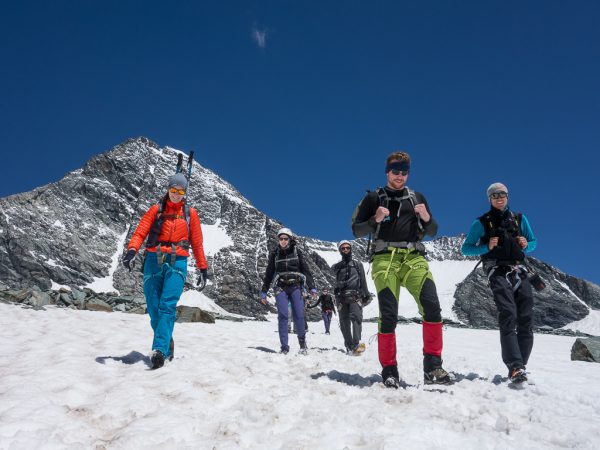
pixel 502 238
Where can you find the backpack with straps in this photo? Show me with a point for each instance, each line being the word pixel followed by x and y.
pixel 349 267
pixel 489 228
pixel 507 249
pixel 155 229
pixel 290 276
pixel 384 200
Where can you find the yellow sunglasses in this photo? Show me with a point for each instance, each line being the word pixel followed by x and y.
pixel 174 190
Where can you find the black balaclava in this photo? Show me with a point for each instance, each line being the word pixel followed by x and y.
pixel 346 256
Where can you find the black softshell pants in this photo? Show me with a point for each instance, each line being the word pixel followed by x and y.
pixel 351 316
pixel 515 319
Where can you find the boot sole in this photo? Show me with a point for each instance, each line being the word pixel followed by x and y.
pixel 392 382
pixel 440 383
pixel 519 380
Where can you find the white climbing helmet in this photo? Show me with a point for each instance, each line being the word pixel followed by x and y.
pixel 344 242
pixel 285 231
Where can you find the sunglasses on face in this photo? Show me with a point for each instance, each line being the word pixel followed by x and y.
pixel 399 172
pixel 177 191
pixel 498 195
pixel 345 249
pixel 284 239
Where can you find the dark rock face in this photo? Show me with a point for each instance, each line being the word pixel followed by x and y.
pixel 74 232
pixel 588 292
pixel 555 306
pixel 474 303
pixel 586 350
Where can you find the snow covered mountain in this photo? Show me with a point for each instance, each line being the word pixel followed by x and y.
pixel 73 233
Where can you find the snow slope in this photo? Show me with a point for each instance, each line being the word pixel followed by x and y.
pixel 79 380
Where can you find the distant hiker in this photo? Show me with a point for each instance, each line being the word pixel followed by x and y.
pixel 502 238
pixel 171 226
pixel 398 218
pixel 327 308
pixel 289 274
pixel 350 293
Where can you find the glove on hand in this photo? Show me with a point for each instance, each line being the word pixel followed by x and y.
pixel 263 298
pixel 201 281
pixel 128 259
pixel 202 277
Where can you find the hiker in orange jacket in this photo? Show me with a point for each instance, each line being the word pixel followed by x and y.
pixel 171 227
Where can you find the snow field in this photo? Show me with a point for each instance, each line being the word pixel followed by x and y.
pixel 79 379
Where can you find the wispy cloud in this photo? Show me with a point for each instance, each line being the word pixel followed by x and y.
pixel 260 36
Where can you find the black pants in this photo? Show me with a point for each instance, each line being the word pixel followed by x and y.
pixel 351 316
pixel 515 319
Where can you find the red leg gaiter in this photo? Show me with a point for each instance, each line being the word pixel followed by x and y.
pixel 432 338
pixel 386 344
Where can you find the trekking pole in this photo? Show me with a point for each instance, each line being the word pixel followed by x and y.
pixel 179 163
pixel 189 165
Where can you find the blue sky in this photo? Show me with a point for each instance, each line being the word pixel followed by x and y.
pixel 298 103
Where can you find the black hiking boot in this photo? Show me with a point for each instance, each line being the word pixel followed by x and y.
pixel 433 372
pixel 171 350
pixel 390 376
pixel 303 348
pixel 437 376
pixel 284 350
pixel 157 359
pixel 518 375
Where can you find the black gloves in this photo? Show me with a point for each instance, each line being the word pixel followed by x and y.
pixel 128 259
pixel 202 277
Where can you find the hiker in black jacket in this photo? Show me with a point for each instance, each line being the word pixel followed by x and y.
pixel 289 273
pixel 350 292
pixel 398 219
pixel 327 308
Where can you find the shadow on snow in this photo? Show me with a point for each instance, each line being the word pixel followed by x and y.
pixel 265 349
pixel 353 379
pixel 132 357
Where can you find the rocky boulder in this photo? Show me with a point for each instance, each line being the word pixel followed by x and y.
pixel 193 314
pixel 586 350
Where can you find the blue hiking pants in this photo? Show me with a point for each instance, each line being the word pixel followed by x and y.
pixel 163 285
pixel 326 319
pixel 290 295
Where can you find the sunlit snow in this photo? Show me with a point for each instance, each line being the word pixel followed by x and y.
pixel 215 238
pixel 105 284
pixel 80 379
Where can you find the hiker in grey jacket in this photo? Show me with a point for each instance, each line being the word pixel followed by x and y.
pixel 350 293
